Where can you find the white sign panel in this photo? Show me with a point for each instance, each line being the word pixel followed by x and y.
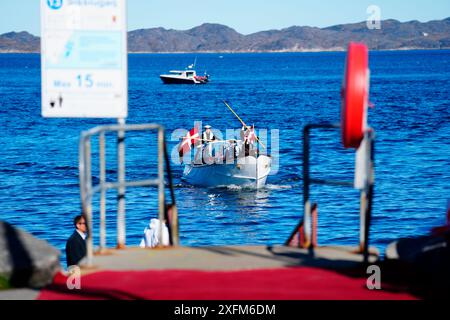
pixel 84 58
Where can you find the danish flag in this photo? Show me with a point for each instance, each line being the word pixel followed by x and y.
pixel 252 136
pixel 188 141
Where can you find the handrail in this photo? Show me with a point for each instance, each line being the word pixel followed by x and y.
pixel 365 198
pixel 87 191
pixel 116 185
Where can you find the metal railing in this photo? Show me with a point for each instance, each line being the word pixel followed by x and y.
pixel 366 191
pixel 87 190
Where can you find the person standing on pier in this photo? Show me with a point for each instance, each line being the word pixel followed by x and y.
pixel 76 244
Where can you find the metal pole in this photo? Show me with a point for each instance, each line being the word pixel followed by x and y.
pixel 314 225
pixel 362 219
pixel 81 173
pixel 103 191
pixel 161 200
pixel 371 183
pixel 88 213
pixel 175 231
pixel 362 173
pixel 174 235
pixel 306 201
pixel 121 191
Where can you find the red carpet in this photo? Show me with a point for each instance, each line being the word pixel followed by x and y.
pixel 274 284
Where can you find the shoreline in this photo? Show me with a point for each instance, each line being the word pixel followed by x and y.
pixel 331 50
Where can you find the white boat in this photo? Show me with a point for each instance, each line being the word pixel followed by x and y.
pixel 184 77
pixel 238 162
pixel 245 172
pixel 188 76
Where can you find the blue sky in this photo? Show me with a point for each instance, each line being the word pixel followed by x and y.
pixel 246 16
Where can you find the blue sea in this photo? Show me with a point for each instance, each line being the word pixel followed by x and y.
pixel 410 90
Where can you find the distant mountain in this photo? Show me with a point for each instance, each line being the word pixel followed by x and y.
pixel 19 42
pixel 207 37
pixel 393 35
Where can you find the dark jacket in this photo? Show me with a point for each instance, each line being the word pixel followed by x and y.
pixel 75 249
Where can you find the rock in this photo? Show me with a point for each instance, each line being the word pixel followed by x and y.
pixel 26 261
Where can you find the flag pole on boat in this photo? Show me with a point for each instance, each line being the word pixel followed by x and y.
pixel 243 123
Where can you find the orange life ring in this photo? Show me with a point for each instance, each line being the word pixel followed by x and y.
pixel 355 92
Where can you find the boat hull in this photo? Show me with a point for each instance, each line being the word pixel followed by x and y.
pixel 246 172
pixel 172 80
pixel 175 80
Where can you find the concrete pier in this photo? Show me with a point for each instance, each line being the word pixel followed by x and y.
pixel 227 258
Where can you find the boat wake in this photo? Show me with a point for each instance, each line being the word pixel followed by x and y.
pixel 234 187
pixel 253 187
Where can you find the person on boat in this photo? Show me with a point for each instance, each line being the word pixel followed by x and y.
pixel 243 133
pixel 76 245
pixel 248 137
pixel 251 140
pixel 208 137
pixel 231 151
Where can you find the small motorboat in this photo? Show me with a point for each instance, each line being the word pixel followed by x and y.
pixel 236 162
pixel 188 76
pixel 224 163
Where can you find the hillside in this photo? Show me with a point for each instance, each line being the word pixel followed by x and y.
pixel 394 35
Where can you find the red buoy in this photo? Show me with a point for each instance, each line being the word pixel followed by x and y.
pixel 355 92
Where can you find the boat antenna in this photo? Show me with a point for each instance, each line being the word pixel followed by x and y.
pixel 192 66
pixel 243 123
